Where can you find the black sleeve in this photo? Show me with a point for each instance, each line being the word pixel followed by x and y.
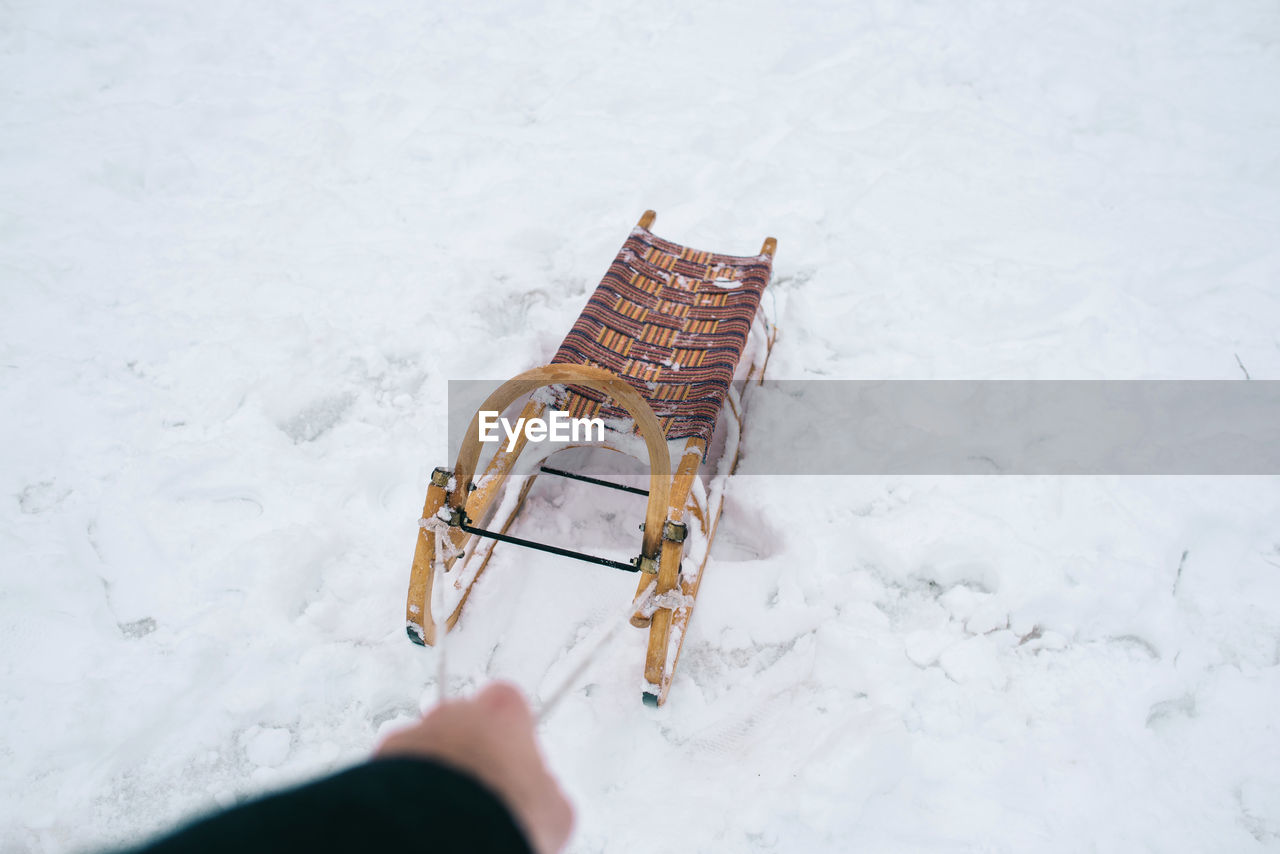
pixel 391 805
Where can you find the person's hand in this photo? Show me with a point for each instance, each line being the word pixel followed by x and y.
pixel 490 736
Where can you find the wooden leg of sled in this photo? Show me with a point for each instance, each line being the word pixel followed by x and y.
pixel 680 487
pixel 660 663
pixel 666 638
pixel 420 622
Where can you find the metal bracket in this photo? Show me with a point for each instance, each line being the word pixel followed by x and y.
pixel 675 531
pixel 440 477
pixel 647 565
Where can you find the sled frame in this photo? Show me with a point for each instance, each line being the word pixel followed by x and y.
pixel 453 548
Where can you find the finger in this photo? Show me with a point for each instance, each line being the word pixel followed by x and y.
pixel 504 698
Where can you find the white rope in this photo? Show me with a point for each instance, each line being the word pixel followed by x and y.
pixel 440 617
pixel 569 681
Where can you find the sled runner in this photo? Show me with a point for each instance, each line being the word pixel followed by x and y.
pixel 659 354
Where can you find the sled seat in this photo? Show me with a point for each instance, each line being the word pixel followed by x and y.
pixel 653 354
pixel 671 321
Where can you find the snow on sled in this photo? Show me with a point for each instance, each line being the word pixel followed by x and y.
pixel 661 355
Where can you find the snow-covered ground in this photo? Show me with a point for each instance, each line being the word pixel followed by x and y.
pixel 243 246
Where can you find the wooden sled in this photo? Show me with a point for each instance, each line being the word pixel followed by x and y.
pixel 664 343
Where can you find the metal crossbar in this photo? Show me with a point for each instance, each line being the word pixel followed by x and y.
pixel 557 550
pixel 547 547
pixel 582 477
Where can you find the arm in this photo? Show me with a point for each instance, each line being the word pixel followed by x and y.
pixel 468 777
pixel 390 805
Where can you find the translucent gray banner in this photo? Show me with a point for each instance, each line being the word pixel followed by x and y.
pixel 1038 427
